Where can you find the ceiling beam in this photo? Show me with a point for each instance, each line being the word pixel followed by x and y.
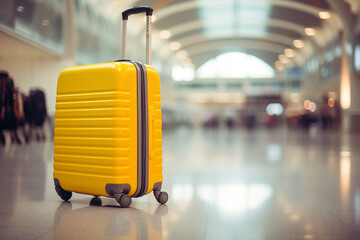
pixel 230 45
pixel 180 29
pixel 265 55
pixel 283 41
pixel 190 5
pixel 343 9
pixel 227 45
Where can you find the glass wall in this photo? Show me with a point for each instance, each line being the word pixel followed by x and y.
pixel 40 21
pixel 97 37
pixel 331 60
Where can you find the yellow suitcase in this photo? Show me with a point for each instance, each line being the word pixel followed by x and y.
pixel 108 128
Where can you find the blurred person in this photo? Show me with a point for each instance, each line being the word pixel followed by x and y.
pixel 229 117
pixel 8 116
pixel 3 77
pixel 324 111
pixel 306 119
pixel 211 121
pixel 19 101
pixel 250 118
pixel 335 115
pixel 292 115
pixel 271 121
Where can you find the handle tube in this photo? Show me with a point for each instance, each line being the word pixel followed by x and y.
pixel 125 15
pixel 124 39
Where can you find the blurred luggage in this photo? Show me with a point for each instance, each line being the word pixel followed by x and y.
pixel 17 111
pixel 108 128
pixel 37 107
pixel 35 113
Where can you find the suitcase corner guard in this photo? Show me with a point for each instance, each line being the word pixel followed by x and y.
pixel 120 193
pixel 63 194
pixel 161 197
pixel 113 189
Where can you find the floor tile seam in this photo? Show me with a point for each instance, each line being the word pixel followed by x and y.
pixel 51 229
pixel 43 234
pixel 207 215
pixel 316 235
pixel 285 232
pixel 309 209
pixel 353 230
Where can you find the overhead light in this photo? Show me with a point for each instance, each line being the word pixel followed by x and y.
pixel 283 59
pixel 331 102
pixel 290 53
pixel 165 34
pixel 307 104
pixel 20 8
pixel 274 109
pixel 298 43
pixel 182 54
pixel 45 22
pixel 188 63
pixel 324 15
pixel 175 46
pixel 312 107
pixel 310 31
pixel 279 65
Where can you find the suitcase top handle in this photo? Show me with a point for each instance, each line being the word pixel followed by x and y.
pixel 125 15
pixel 136 10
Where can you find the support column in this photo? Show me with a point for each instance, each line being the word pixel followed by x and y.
pixel 349 82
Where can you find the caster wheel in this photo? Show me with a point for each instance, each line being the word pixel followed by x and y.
pixel 64 195
pixel 163 197
pixel 125 201
pixel 96 201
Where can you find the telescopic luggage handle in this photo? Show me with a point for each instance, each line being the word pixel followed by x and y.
pixel 125 15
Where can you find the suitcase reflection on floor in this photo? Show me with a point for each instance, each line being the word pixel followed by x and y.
pixel 104 223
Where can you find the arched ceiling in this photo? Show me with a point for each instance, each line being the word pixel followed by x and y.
pixel 265 28
pixel 262 27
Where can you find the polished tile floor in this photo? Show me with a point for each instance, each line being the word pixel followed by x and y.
pixel 261 184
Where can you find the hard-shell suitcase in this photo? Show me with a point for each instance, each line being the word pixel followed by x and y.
pixel 108 128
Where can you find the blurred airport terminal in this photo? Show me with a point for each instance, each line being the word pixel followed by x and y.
pixel 260 117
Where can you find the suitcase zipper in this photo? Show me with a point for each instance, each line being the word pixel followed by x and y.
pixel 143 129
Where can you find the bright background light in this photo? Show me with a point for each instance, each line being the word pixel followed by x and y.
pixel 274 109
pixel 183 73
pixel 235 65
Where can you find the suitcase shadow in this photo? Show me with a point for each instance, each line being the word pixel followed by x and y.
pixel 107 223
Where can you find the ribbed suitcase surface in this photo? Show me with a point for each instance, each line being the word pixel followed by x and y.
pixel 108 130
pixel 96 128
